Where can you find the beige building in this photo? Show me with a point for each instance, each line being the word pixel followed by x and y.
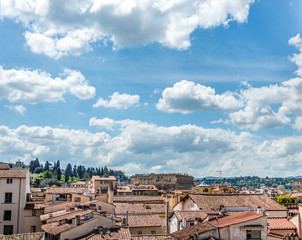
pixel 137 190
pixel 74 224
pixel 14 187
pixel 232 203
pixel 167 182
pixel 100 185
pixel 244 225
pixel 32 213
pixel 298 185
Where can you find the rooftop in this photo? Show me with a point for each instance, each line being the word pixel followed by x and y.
pixel 137 198
pixel 112 234
pixel 275 223
pixel 236 219
pixel 110 178
pixel 145 220
pixel 34 205
pixel 214 202
pixel 137 208
pixel 65 190
pixel 190 215
pixel 186 233
pixel 7 172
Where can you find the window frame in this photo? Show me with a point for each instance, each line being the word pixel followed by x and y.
pixel 6 229
pixel 7 215
pixel 9 180
pixel 249 237
pixel 8 197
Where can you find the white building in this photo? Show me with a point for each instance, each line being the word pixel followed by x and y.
pixel 14 187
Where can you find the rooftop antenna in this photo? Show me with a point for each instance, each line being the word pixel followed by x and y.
pixel 220 174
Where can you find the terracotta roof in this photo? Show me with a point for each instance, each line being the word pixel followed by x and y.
pixel 44 217
pixel 186 233
pixel 95 202
pixel 111 178
pixel 275 235
pixel 145 220
pixel 78 183
pixel 14 173
pixel 151 237
pixel 69 215
pixel 190 215
pixel 113 234
pixel 137 198
pixel 236 219
pixel 280 224
pixel 36 190
pixel 66 190
pixel 296 194
pixel 4 166
pixel 55 228
pixel 136 208
pixel 34 206
pixel 215 201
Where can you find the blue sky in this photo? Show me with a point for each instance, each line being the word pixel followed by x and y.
pixel 153 86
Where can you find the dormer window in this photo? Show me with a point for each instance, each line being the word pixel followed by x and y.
pixel 9 181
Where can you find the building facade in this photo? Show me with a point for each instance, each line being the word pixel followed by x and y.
pixel 14 187
pixel 166 182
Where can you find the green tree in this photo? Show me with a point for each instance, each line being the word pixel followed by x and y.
pixel 106 172
pixel 68 172
pixel 47 174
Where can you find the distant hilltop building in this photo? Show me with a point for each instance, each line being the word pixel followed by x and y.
pixel 298 185
pixel 165 181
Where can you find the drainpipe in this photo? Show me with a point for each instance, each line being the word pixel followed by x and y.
pixel 167 217
pixel 19 203
pixel 126 217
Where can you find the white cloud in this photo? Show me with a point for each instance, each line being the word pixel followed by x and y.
pixel 56 28
pixel 18 108
pixel 23 85
pixel 119 101
pixel 141 146
pixel 186 97
pixel 297 58
pixel 102 123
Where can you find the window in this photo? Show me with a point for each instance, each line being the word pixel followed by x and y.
pixel 34 212
pixel 9 180
pixel 139 232
pixel 100 208
pixel 153 232
pixel 77 199
pixel 33 229
pixel 253 234
pixel 8 229
pixel 8 197
pixel 7 216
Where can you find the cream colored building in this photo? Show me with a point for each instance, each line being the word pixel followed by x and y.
pixel 100 185
pixel 32 213
pixel 14 187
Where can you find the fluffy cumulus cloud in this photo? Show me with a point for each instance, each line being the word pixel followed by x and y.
pixel 186 97
pixel 106 123
pixel 23 85
pixel 266 107
pixel 119 101
pixel 140 146
pixel 57 28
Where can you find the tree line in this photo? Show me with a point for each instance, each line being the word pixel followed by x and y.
pixel 254 182
pixel 52 174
